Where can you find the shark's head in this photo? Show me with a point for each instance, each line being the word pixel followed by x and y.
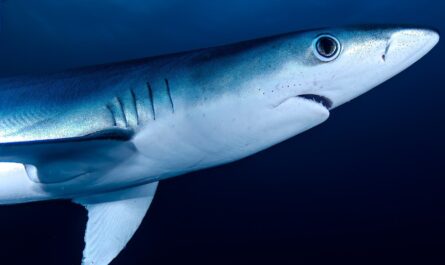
pixel 301 77
pixel 333 66
pixel 258 93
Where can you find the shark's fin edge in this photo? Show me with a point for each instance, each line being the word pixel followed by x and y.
pixel 113 218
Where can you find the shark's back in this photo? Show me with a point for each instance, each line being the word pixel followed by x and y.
pixel 70 124
pixel 68 105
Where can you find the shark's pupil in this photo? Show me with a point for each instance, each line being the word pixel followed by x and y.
pixel 326 47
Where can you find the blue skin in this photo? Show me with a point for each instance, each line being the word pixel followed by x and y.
pixel 42 116
pixel 74 103
pixel 104 136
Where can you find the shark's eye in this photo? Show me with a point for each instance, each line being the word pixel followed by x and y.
pixel 326 47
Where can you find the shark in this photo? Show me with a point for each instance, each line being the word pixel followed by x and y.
pixel 104 136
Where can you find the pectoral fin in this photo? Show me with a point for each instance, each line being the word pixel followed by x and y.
pixel 113 218
pixel 60 160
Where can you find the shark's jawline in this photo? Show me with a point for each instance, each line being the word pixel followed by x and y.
pixel 326 102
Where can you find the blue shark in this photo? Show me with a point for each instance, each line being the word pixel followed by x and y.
pixel 104 136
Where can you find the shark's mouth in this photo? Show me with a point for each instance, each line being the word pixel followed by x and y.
pixel 326 102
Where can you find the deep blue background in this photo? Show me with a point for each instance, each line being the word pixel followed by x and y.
pixel 366 187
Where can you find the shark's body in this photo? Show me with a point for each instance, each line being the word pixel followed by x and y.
pixel 104 136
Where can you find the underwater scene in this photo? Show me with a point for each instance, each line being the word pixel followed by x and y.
pixel 320 143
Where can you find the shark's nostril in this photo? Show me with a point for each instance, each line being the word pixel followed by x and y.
pixel 385 54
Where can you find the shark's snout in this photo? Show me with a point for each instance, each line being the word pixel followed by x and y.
pixel 408 45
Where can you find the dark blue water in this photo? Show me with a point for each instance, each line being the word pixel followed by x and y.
pixel 366 187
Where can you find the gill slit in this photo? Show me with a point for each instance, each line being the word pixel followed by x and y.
pixel 133 98
pixel 121 106
pixel 113 115
pixel 150 97
pixel 167 85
